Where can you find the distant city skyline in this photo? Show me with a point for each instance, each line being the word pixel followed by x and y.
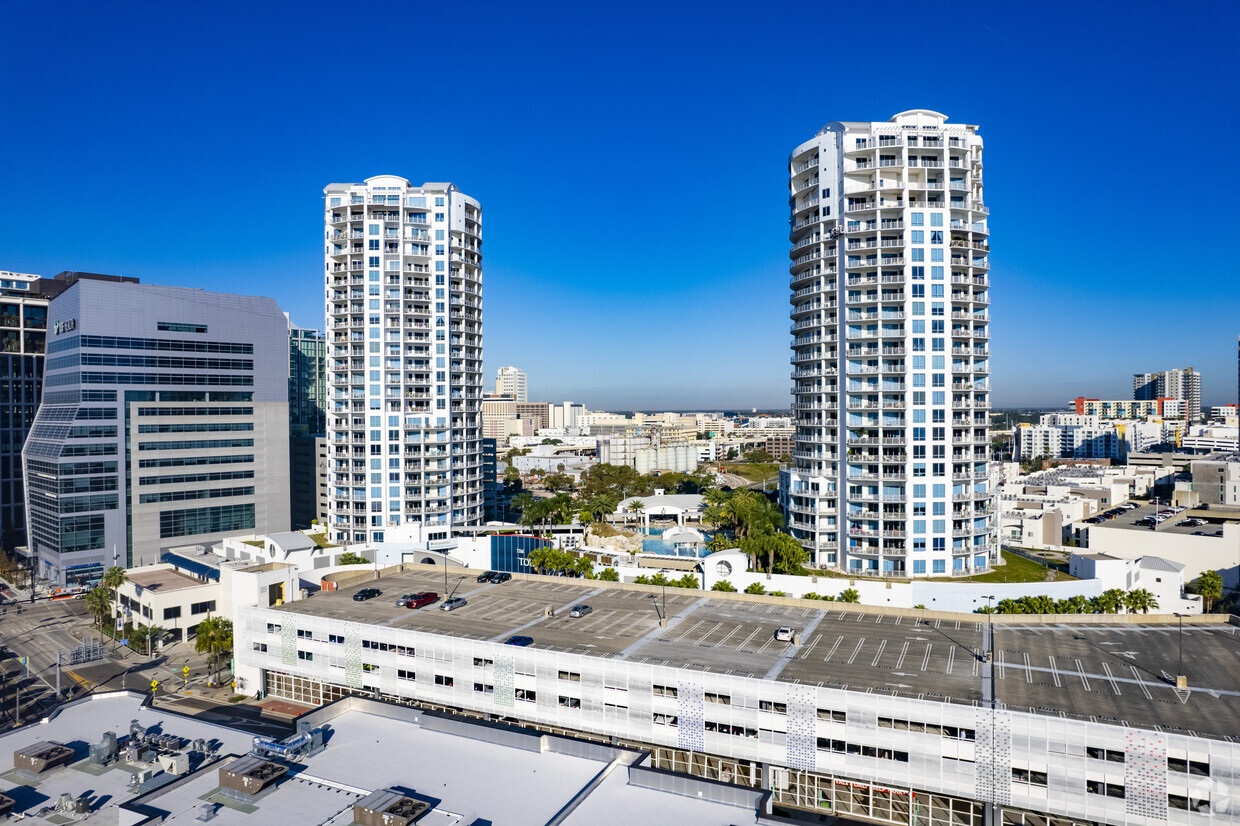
pixel 601 290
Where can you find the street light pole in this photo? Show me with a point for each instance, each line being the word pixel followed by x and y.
pixel 1181 681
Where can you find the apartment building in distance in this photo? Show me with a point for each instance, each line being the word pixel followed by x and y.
pixel 164 421
pixel 890 356
pixel 1184 385
pixel 1163 408
pixel 403 295
pixel 510 381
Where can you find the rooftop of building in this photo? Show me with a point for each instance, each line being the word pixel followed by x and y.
pixel 163 580
pixel 1105 667
pixel 466 771
pixel 1128 520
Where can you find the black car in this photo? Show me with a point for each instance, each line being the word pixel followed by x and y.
pixel 487 576
pixel 519 640
pixel 365 594
pixel 500 576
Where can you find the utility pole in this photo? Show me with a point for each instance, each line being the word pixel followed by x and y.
pixel 58 676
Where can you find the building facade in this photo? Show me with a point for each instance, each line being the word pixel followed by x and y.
pixel 164 421
pixel 1184 385
pixel 403 290
pixel 23 330
pixel 307 410
pixel 510 381
pixel 1165 408
pixel 890 355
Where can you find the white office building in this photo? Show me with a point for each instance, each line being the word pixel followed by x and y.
pixel 510 381
pixel 890 348
pixel 403 289
pixel 164 421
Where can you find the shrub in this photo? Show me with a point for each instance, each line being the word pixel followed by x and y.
pixel 724 585
pixel 756 588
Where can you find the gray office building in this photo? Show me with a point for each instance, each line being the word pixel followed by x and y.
pixel 164 422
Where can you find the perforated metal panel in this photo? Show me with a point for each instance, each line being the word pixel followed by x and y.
pixel 288 641
pixel 801 743
pixel 993 757
pixel 505 693
pixel 1145 774
pixel 690 711
pixel 353 655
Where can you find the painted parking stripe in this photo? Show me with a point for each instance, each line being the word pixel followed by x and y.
pixel 856 650
pixel 1055 672
pixel 925 661
pixel 831 653
pixel 881 646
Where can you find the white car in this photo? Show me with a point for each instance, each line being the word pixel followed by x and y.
pixel 783 633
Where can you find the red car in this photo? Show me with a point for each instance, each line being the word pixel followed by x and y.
pixel 424 598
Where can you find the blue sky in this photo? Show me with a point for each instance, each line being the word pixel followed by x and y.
pixel 630 160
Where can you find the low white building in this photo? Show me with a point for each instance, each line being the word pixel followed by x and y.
pixel 1198 554
pixel 678 458
pixel 685 507
pixel 1161 577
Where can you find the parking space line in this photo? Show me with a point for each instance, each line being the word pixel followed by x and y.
pixel 764 645
pixel 1111 678
pixel 882 644
pixel 900 659
pixel 831 653
pixel 810 647
pixel 1055 672
pixel 703 638
pixel 856 650
pixel 951 659
pixel 1141 682
pixel 752 634
pixel 687 631
pixel 925 661
pixel 1028 672
pixel 728 636
pixel 1081 670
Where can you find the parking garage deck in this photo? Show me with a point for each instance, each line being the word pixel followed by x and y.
pixel 1121 673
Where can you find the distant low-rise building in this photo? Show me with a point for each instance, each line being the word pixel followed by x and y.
pixel 1166 408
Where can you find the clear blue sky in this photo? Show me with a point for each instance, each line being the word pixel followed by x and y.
pixel 630 160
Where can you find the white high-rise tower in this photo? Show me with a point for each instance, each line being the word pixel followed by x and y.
pixel 403 288
pixel 510 381
pixel 890 348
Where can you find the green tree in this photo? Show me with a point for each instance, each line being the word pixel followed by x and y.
pixel 1108 602
pixel 99 603
pixel 511 474
pixel 618 481
pixel 350 558
pixel 114 577
pixel 783 553
pixel 214 637
pixel 758 456
pixel 558 481
pixel 850 595
pixel 719 542
pixel 724 585
pixel 689 580
pixel 810 595
pixel 598 508
pixel 1140 600
pixel 756 588
pixel 1210 586
pixel 635 507
pixel 609 575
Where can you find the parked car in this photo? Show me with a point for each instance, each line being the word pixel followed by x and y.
pixel 783 633
pixel 1200 533
pixel 500 577
pixel 419 600
pixel 365 594
pixel 453 603
pixel 580 611
pixel 488 576
pixel 403 598
pixel 520 640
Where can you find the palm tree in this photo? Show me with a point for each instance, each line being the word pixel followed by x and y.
pixel 1108 602
pixel 115 577
pixel 99 602
pixel 215 639
pixel 850 595
pixel 1140 600
pixel 1210 586
pixel 635 507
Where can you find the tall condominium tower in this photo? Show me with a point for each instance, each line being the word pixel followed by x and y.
pixel 403 288
pixel 1184 385
pixel 164 422
pixel 23 328
pixel 889 350
pixel 510 381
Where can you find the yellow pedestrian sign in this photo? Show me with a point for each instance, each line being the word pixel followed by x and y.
pixel 186 670
pixel 154 684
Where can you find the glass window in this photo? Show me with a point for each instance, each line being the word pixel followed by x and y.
pixel 915 219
